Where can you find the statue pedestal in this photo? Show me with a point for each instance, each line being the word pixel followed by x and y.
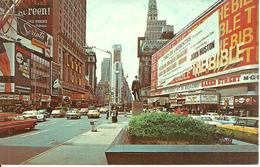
pixel 137 108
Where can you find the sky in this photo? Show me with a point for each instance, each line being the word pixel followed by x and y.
pixel 112 22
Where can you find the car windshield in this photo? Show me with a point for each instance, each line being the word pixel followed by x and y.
pixel 55 111
pixel 27 112
pixel 19 118
pixel 205 118
pixel 73 111
pixel 6 119
pixel 251 122
pixel 91 108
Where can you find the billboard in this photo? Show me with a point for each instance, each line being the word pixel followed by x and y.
pixel 37 37
pixel 7 67
pixel 22 69
pixel 222 41
pixel 38 13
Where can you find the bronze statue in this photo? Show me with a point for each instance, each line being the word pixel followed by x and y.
pixel 136 88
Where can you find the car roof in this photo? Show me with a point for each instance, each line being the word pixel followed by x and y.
pixel 253 118
pixel 9 114
pixel 29 111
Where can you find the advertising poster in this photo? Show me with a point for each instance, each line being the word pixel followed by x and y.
pixel 222 41
pixel 7 67
pixel 22 69
pixel 37 13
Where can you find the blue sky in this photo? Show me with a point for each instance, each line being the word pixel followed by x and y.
pixel 123 21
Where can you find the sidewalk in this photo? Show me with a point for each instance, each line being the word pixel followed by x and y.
pixel 86 149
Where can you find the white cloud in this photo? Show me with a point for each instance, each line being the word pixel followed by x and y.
pixel 112 22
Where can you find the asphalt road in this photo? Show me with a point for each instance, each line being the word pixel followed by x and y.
pixel 20 147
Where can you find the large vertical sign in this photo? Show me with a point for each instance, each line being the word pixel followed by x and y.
pixel 55 79
pixel 223 41
pixel 38 37
pixel 7 67
pixel 22 69
pixel 38 13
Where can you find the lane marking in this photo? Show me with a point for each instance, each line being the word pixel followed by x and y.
pixel 34 133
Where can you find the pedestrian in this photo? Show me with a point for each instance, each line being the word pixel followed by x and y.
pixel 107 115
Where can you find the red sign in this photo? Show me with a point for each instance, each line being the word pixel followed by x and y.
pixel 224 40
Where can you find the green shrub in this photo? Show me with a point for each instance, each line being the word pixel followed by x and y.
pixel 168 127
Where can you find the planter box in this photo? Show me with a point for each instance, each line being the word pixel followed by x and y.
pixel 126 154
pixel 182 154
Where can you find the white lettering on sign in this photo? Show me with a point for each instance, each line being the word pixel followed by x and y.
pixel 212 99
pixel 30 31
pixel 35 12
pixel 192 99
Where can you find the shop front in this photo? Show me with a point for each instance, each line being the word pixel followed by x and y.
pixel 14 103
pixel 246 105
pixel 202 103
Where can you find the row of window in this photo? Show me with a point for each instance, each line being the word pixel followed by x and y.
pixel 40 60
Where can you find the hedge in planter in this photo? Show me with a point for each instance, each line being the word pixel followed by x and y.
pixel 168 127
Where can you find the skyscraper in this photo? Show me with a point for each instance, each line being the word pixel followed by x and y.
pixel 105 70
pixel 116 74
pixel 152 41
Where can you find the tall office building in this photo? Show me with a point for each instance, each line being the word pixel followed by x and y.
pixel 156 35
pixel 105 70
pixel 116 74
pixel 66 21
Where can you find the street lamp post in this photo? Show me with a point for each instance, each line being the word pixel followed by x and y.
pixel 110 53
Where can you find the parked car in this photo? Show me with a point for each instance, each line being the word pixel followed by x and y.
pixel 83 111
pixel 93 113
pixel 103 110
pixel 58 112
pixel 44 112
pixel 34 114
pixel 213 115
pixel 73 113
pixel 245 128
pixel 227 119
pixel 207 119
pixel 11 123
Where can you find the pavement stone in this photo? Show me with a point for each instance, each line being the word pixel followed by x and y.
pixel 85 149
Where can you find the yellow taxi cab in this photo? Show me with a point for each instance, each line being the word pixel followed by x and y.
pixel 245 128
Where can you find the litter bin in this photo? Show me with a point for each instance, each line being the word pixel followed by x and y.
pixel 114 119
pixel 93 126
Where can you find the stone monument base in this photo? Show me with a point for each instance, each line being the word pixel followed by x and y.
pixel 137 108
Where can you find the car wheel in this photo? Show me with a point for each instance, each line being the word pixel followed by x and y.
pixel 32 127
pixel 11 132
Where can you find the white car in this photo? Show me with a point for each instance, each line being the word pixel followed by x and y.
pixel 103 110
pixel 213 115
pixel 207 119
pixel 34 114
pixel 73 113
pixel 83 111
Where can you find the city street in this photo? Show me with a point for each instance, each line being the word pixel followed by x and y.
pixel 55 131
